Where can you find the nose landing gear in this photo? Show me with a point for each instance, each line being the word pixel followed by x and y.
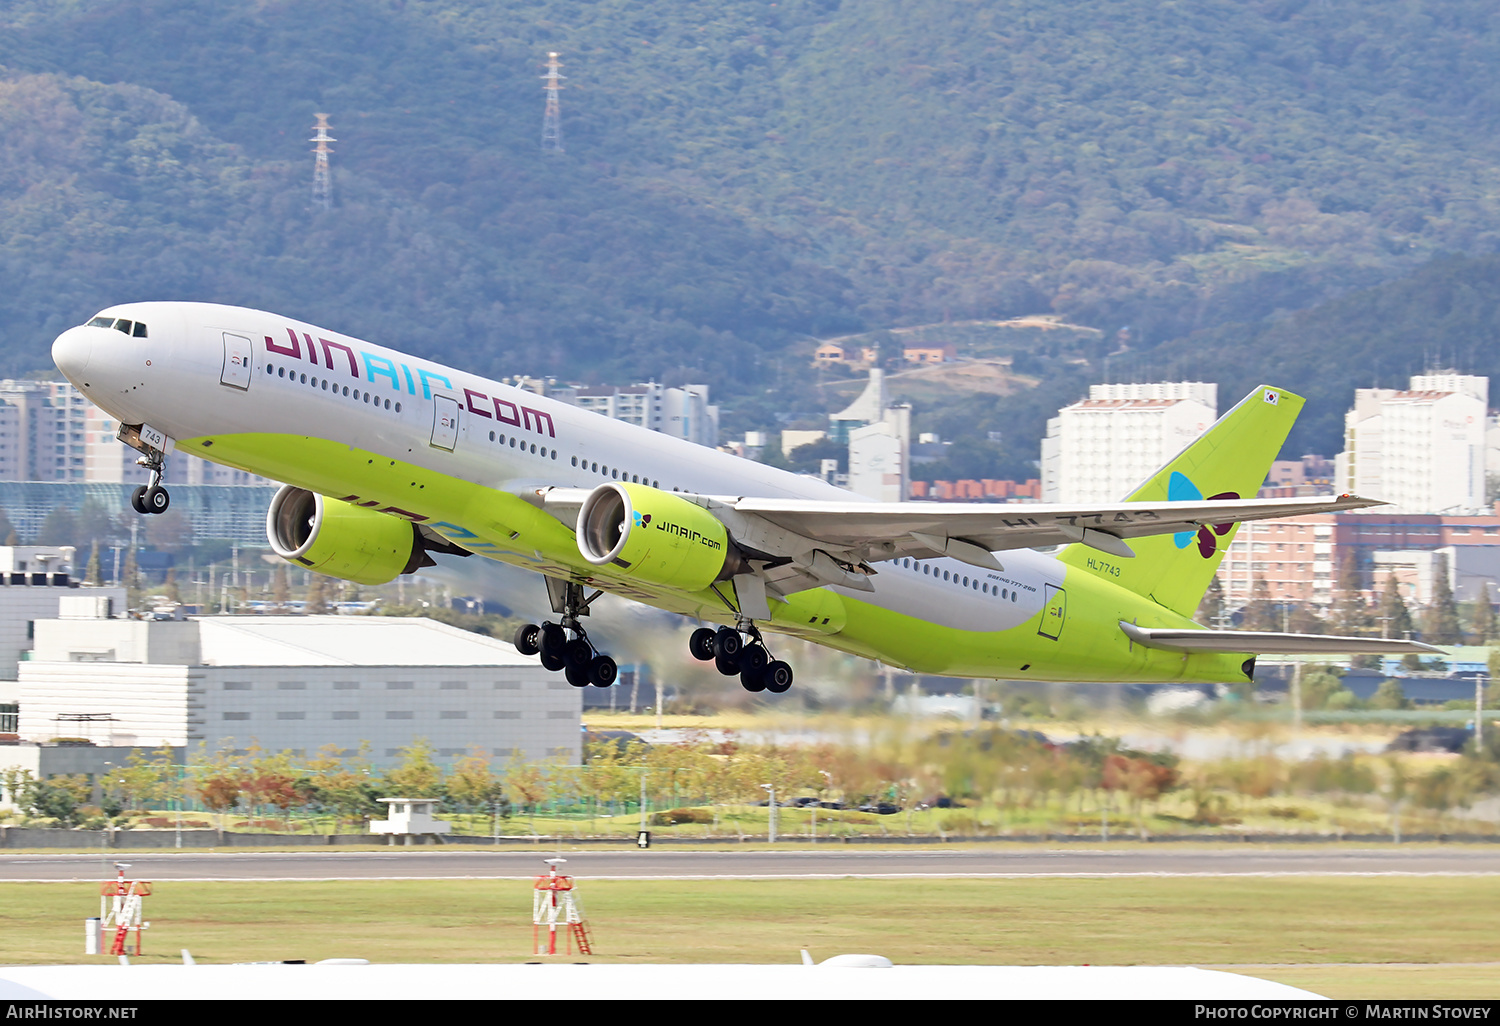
pixel 733 656
pixel 581 663
pixel 152 498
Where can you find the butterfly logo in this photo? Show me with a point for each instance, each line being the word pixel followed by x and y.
pixel 1180 489
pixel 642 519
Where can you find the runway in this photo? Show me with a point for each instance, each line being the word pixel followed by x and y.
pixel 696 865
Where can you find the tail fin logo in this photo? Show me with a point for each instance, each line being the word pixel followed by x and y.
pixel 1181 489
pixel 1270 397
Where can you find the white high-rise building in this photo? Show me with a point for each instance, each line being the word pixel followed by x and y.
pixel 1422 449
pixel 680 412
pixel 879 438
pixel 50 432
pixel 1100 448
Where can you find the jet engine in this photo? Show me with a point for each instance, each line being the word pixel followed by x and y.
pixel 655 536
pixel 333 537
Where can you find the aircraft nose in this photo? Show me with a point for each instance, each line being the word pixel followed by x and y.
pixel 71 352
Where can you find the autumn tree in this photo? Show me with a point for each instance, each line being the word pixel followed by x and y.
pixel 417 775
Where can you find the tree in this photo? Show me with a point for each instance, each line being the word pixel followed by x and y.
pixel 91 572
pixel 1259 614
pixel 1318 686
pixel 7 530
pixel 1389 695
pixel 1395 618
pixel 1211 609
pixel 317 595
pixel 59 527
pixel 1349 614
pixel 281 589
pixel 417 775
pixel 1483 622
pixel 172 532
pixel 343 786
pixel 1440 622
pixel 95 524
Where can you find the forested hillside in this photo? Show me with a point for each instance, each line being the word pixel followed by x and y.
pixel 742 175
pixel 1447 315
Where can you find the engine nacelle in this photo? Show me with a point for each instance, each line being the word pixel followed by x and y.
pixel 342 540
pixel 654 536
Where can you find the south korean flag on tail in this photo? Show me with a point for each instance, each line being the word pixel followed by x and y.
pixel 1270 397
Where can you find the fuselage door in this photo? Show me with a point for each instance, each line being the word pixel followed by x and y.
pixel 444 422
pixel 1054 612
pixel 238 356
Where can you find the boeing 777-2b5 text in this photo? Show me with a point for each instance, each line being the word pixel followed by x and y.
pixel 387 458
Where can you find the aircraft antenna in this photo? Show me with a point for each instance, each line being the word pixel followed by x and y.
pixel 552 118
pixel 322 177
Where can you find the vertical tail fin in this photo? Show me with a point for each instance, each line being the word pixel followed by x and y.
pixel 1229 461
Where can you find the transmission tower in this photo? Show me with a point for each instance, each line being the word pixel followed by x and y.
pixel 322 178
pixel 552 119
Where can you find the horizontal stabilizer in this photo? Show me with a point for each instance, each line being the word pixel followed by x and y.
pixel 1268 643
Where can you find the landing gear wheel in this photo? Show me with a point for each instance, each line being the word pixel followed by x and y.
pixel 727 666
pixel 755 681
pixel 156 499
pixel 727 643
pixel 528 639
pixel 753 659
pixel 138 500
pixel 701 644
pixel 603 671
pixel 777 677
pixel 578 676
pixel 578 653
pixel 553 640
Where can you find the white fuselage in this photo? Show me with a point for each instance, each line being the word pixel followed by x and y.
pixel 205 370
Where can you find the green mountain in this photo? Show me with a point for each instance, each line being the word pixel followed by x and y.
pixel 1446 315
pixel 741 175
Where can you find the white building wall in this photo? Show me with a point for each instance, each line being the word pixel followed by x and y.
pixel 22 606
pixel 150 704
pixel 1422 450
pixel 147 677
pixel 875 463
pixel 1108 447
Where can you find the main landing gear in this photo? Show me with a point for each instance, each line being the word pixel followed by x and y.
pixel 575 656
pixel 733 655
pixel 152 498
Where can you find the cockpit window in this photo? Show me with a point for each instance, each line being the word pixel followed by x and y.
pixel 135 329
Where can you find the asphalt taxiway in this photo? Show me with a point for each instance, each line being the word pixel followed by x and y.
pixel 438 864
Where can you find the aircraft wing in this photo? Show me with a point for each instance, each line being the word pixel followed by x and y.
pixel 911 528
pixel 1268 643
pixel 795 544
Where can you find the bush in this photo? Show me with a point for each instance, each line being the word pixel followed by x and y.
pixel 672 817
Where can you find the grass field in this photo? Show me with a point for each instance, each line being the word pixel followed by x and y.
pixel 1431 937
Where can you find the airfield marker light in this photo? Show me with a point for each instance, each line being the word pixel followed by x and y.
pixel 771 822
pixel 555 900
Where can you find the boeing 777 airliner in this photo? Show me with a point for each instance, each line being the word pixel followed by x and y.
pixel 387 458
